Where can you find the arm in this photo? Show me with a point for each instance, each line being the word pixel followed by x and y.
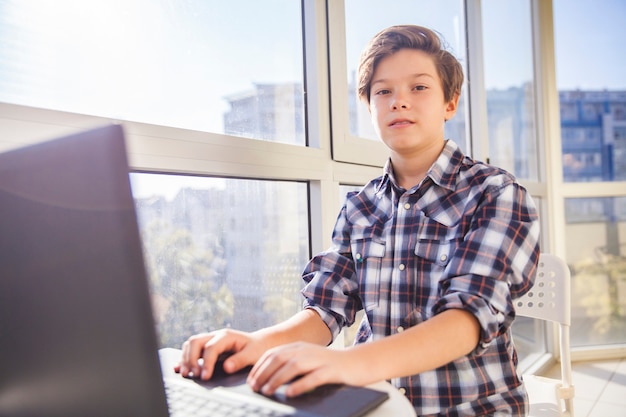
pixel 305 326
pixel 429 345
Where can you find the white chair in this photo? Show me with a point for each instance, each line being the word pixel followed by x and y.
pixel 549 299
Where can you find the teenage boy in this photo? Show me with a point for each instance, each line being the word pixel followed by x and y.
pixel 435 250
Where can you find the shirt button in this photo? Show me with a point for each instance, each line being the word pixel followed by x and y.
pixel 407 206
pixel 400 329
pixel 401 267
pixel 402 390
pixel 444 258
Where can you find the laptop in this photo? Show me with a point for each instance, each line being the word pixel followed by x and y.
pixel 77 335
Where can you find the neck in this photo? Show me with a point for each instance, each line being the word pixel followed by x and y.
pixel 410 169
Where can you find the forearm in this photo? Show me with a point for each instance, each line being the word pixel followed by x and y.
pixel 429 345
pixel 305 326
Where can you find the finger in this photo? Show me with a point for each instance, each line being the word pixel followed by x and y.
pixel 237 361
pixel 223 350
pixel 282 376
pixel 275 371
pixel 183 364
pixel 209 361
pixel 178 366
pixel 262 371
pixel 191 353
pixel 305 384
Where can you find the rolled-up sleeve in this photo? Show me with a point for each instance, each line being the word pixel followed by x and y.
pixel 495 263
pixel 330 287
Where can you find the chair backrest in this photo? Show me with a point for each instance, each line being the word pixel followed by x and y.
pixel 550 297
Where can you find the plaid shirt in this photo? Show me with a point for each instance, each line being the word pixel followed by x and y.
pixel 466 237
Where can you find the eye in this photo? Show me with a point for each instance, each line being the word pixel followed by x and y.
pixel 420 87
pixel 382 91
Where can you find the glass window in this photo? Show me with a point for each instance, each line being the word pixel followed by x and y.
pixel 207 65
pixel 587 33
pixel 221 252
pixel 444 16
pixel 596 255
pixel 509 84
pixel 618 110
pixel 619 153
pixel 569 112
pixel 529 334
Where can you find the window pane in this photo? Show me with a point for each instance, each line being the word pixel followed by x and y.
pixel 596 254
pixel 207 65
pixel 444 16
pixel 530 334
pixel 592 88
pixel 509 83
pixel 221 252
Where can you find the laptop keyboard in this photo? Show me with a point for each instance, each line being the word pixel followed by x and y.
pixel 218 402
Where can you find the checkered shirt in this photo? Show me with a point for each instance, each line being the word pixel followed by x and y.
pixel 467 237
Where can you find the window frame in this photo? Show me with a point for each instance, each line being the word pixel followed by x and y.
pixel 346 147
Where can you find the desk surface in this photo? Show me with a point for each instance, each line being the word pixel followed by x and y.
pixel 396 405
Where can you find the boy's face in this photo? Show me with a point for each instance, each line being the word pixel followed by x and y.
pixel 407 102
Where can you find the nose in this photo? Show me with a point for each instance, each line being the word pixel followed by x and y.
pixel 400 101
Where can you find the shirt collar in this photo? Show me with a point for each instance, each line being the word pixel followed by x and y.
pixel 442 172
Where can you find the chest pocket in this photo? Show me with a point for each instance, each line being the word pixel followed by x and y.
pixel 436 243
pixel 368 254
pixel 435 251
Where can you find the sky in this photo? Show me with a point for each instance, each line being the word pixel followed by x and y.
pixel 181 65
pixel 590 37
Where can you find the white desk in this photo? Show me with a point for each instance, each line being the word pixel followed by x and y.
pixel 397 405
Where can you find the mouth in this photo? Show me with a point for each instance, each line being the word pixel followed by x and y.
pixel 400 122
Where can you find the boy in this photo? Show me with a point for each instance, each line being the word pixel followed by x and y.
pixel 434 251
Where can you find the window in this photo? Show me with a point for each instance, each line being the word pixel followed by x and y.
pixel 618 110
pixel 593 150
pixel 596 250
pixel 509 84
pixel 594 90
pixel 221 252
pixel 160 62
pixel 569 111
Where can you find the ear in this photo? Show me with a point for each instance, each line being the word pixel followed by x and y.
pixel 452 106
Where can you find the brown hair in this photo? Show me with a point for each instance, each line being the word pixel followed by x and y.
pixel 394 38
